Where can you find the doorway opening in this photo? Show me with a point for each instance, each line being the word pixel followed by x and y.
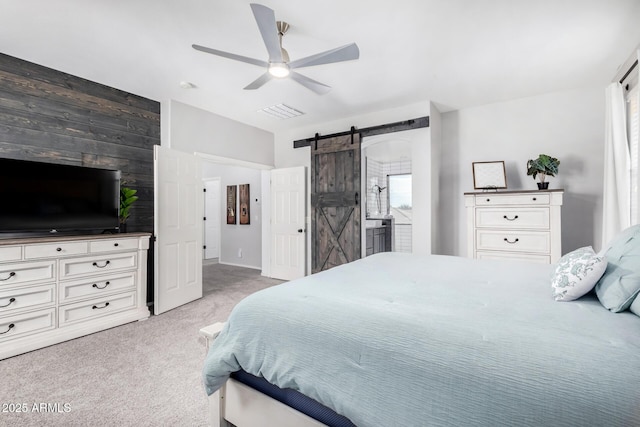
pixel 212 220
pixel 388 192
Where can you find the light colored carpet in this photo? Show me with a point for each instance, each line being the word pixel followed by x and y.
pixel 144 373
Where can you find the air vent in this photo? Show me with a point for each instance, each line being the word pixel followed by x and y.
pixel 281 111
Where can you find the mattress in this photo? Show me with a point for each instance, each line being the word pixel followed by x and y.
pixel 404 339
pixel 294 399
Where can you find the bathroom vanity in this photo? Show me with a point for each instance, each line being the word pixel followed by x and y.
pixel 379 235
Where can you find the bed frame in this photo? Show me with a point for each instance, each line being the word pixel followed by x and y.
pixel 237 404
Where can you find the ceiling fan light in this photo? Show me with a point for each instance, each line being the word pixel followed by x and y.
pixel 279 69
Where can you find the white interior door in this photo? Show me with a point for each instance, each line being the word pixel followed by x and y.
pixel 213 218
pixel 178 215
pixel 288 229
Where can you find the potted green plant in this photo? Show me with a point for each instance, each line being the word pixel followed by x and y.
pixel 541 167
pixel 127 198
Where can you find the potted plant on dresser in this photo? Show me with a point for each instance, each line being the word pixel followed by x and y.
pixel 127 198
pixel 541 167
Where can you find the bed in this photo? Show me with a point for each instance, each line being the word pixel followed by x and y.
pixel 401 339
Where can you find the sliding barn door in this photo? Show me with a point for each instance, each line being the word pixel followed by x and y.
pixel 335 201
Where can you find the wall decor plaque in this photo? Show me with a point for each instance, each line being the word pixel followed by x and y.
pixel 245 217
pixel 231 204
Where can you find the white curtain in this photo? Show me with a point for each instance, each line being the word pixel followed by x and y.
pixel 617 165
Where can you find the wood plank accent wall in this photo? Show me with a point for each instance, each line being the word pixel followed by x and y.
pixel 50 116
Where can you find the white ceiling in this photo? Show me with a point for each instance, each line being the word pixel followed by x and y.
pixel 456 53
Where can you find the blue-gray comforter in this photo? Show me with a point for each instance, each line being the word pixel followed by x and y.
pixel 406 340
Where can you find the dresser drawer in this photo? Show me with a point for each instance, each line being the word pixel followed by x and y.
pixel 59 249
pixel 25 298
pixel 23 324
pixel 541 259
pixel 514 241
pixel 87 266
pixel 513 218
pixel 104 285
pixel 112 245
pixel 513 199
pixel 10 253
pixel 99 307
pixel 26 272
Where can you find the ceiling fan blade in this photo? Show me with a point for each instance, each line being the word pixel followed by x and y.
pixel 259 82
pixel 315 86
pixel 231 55
pixel 339 54
pixel 266 20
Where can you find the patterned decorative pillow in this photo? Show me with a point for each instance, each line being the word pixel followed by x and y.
pixel 577 273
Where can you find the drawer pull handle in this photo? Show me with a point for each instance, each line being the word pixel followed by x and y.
pixel 11 326
pixel 101 287
pixel 534 199
pixel 95 307
pixel 95 264
pixel 488 200
pixel 59 249
pixel 11 301
pixel 510 219
pixel 13 273
pixel 115 244
pixel 509 241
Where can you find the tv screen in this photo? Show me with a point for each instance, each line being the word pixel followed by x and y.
pixel 50 198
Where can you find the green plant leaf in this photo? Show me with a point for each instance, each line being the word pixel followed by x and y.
pixel 544 164
pixel 127 198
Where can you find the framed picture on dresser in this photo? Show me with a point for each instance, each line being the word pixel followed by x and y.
pixel 489 175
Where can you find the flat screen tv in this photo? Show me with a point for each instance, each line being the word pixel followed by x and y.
pixel 39 198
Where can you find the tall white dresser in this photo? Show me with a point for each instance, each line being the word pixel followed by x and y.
pixel 517 225
pixel 53 289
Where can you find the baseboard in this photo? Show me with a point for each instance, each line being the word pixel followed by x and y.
pixel 253 267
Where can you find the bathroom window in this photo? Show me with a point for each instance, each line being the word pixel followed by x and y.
pixel 400 202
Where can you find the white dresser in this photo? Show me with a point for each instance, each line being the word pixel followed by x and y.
pixel 56 289
pixel 521 225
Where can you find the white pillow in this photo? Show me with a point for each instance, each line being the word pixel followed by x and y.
pixel 577 273
pixel 635 307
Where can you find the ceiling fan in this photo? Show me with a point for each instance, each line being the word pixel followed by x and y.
pixel 279 65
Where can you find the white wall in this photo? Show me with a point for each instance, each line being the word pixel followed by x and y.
pixel 435 127
pixel 194 130
pixel 568 125
pixel 235 237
